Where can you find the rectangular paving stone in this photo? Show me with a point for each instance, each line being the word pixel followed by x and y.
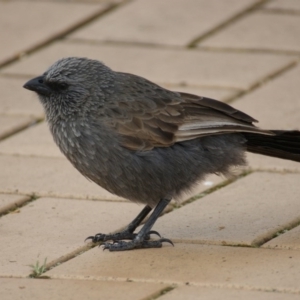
pixel 34 141
pixel 15 100
pixel 213 293
pixel 246 212
pixel 162 22
pixel 43 176
pixel 259 30
pixel 11 124
pixel 241 267
pixel 291 5
pixel 287 240
pixel 9 202
pixel 45 21
pixel 54 228
pixel 276 105
pixel 164 66
pixel 24 288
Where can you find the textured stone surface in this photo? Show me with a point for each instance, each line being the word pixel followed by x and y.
pixel 245 212
pixel 34 141
pixel 288 240
pixel 259 31
pixel 15 288
pixel 9 202
pixel 291 5
pixel 15 100
pixel 53 228
pixel 45 21
pixel 211 293
pixel 200 264
pixel 164 66
pixel 162 22
pixel 11 124
pixel 47 177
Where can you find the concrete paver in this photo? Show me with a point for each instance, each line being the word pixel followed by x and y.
pixel 47 177
pixel 197 264
pixel 287 240
pixel 35 141
pixel 53 228
pixel 162 22
pixel 11 124
pixel 45 21
pixel 164 66
pixel 210 293
pixel 16 288
pixel 292 5
pixel 245 212
pixel 14 100
pixel 9 202
pixel 259 30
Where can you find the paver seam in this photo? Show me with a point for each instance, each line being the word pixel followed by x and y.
pixel 175 284
pixel 276 73
pixel 105 8
pixel 226 23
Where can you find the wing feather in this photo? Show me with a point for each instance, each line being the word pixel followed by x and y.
pixel 155 117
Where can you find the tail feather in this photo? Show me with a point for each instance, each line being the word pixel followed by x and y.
pixel 283 144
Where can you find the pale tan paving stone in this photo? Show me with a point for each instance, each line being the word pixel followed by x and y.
pixel 9 202
pixel 287 240
pixel 213 293
pixel 52 228
pixel 170 22
pixel 47 177
pixel 34 141
pixel 24 288
pixel 196 264
pixel 259 31
pixel 164 66
pixel 11 124
pixel 245 212
pixel 15 100
pixel 292 5
pixel 45 21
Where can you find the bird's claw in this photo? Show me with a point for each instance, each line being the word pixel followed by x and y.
pixel 134 244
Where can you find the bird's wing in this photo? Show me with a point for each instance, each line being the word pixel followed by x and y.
pixel 160 118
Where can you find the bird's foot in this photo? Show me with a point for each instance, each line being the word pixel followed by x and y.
pixel 135 244
pixel 123 235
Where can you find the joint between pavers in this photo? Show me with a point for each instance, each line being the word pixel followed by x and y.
pixel 226 23
pixel 264 80
pixel 211 190
pixel 280 11
pixel 53 38
pixel 258 242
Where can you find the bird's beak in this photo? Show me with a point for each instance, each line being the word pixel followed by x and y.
pixel 38 85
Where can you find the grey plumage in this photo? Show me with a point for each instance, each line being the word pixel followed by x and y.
pixel 141 141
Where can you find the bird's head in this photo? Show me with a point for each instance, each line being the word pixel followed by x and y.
pixel 71 84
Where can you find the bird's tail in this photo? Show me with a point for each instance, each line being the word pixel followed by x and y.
pixel 283 144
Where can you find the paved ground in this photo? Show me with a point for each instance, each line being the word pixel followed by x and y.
pixel 236 239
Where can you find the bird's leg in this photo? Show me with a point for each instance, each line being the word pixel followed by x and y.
pixel 140 240
pixel 127 233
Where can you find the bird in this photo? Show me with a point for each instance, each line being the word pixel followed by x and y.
pixel 143 142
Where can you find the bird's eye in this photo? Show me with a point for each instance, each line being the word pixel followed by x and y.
pixel 58 86
pixel 62 85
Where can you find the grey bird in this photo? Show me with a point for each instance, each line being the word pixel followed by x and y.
pixel 143 142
